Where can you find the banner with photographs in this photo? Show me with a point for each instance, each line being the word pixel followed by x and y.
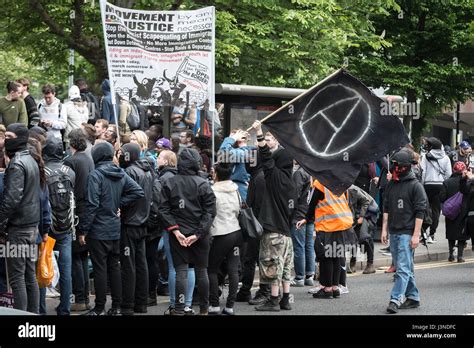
pixel 163 60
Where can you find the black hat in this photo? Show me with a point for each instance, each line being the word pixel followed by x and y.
pixel 402 158
pixel 20 130
pixel 102 152
pixel 435 143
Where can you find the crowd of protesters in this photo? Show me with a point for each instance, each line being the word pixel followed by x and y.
pixel 154 216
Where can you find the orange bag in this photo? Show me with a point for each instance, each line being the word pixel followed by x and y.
pixel 44 268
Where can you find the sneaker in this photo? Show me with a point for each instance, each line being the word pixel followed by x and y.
pixel 113 311
pixel 228 311
pixel 369 268
pixel 431 240
pixel 309 281
pixel 297 283
pixel 259 299
pixel 451 257
pixel 93 312
pixel 392 308
pixel 214 310
pixel 140 309
pixel 242 297
pixel 323 294
pixel 168 310
pixel 343 290
pixel 270 305
pixel 314 290
pixel 175 312
pixel 409 304
pixel 151 301
pixel 384 250
pixel 461 260
pixel 337 293
pixel 203 311
pixel 189 311
pixel 127 311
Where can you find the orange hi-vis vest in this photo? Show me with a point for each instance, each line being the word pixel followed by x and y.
pixel 332 213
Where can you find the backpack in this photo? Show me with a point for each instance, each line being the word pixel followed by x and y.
pixel 133 118
pixel 154 221
pixel 61 198
pixel 452 206
pixel 92 105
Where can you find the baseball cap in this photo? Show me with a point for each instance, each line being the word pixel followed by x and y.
pixel 402 158
pixel 164 143
pixel 464 145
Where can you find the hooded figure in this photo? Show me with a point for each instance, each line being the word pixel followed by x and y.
pixel 275 213
pixel 75 111
pixel 107 111
pixel 13 145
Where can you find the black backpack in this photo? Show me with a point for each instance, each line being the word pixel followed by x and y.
pixel 61 198
pixel 92 105
pixel 154 220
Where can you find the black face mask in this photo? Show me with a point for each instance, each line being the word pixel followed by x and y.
pixel 14 145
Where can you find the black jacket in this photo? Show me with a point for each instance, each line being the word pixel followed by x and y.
pixel 451 186
pixel 82 164
pixel 108 189
pixel 280 195
pixel 302 181
pixel 404 201
pixel 32 111
pixel 21 204
pixel 137 213
pixel 256 187
pixel 53 156
pixel 187 201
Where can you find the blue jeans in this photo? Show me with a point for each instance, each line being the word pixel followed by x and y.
pixel 172 276
pixel 303 246
pixel 402 255
pixel 243 188
pixel 64 246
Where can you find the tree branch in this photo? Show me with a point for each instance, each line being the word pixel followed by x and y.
pixel 78 21
pixel 47 19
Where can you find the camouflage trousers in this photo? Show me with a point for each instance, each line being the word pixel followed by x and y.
pixel 275 258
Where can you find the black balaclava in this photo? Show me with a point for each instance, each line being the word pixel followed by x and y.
pixel 12 146
pixel 130 154
pixel 401 164
pixel 102 152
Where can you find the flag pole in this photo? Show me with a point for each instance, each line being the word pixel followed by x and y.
pixel 299 97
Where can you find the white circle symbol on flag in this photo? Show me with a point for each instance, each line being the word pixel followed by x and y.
pixel 336 119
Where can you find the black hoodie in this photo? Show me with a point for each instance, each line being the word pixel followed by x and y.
pixel 53 156
pixel 187 201
pixel 404 201
pixel 108 189
pixel 280 198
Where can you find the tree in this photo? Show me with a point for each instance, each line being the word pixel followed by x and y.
pixel 264 42
pixel 430 57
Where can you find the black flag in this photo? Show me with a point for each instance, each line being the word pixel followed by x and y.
pixel 334 128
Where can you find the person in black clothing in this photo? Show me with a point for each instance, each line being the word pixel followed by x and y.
pixel 188 207
pixel 20 216
pixel 276 247
pixel 108 189
pixel 251 247
pixel 30 103
pixel 92 101
pixel 133 233
pixel 82 164
pixel 405 204
pixel 455 231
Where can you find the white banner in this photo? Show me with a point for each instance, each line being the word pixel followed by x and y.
pixel 161 58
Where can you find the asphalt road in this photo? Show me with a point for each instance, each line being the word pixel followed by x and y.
pixel 445 289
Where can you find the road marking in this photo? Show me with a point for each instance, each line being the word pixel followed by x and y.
pixel 420 267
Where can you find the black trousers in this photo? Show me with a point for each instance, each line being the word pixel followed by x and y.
pixel 134 268
pixel 461 246
pixel 225 247
pixel 80 277
pixel 330 271
pixel 105 256
pixel 250 252
pixel 432 192
pixel 152 262
pixel 368 247
pixel 202 282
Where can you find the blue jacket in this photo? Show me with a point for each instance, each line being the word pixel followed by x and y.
pixel 108 189
pixel 107 111
pixel 239 156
